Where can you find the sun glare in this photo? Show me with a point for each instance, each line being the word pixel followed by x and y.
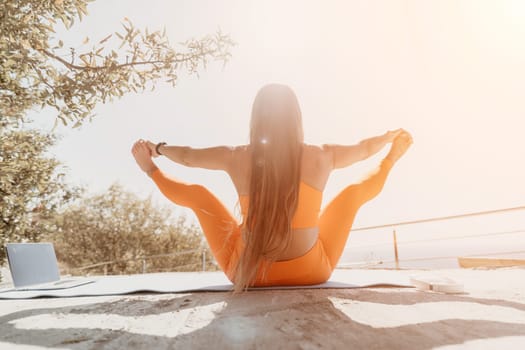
pixel 497 25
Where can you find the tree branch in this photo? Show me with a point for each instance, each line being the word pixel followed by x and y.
pixel 122 65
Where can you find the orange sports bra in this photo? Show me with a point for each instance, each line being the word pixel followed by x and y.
pixel 307 213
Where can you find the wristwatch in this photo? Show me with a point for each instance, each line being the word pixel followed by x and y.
pixel 158 146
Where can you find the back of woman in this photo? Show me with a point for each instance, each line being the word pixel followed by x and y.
pixel 284 238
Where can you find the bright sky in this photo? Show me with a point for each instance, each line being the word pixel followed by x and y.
pixel 450 72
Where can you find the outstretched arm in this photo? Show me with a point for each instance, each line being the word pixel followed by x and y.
pixel 214 158
pixel 343 156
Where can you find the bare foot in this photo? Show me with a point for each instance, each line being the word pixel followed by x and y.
pixel 399 146
pixel 142 155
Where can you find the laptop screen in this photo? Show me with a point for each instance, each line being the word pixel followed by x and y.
pixel 32 263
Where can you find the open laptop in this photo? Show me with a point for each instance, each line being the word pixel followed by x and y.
pixel 34 266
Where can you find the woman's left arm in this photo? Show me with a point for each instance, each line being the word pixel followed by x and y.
pixel 343 156
pixel 213 158
pixel 375 144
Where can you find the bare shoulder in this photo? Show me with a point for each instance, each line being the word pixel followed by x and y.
pixel 318 154
pixel 240 168
pixel 240 157
pixel 240 151
pixel 316 166
pixel 311 149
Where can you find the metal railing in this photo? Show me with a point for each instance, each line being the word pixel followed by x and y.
pixel 442 218
pixel 396 225
pixel 144 260
pixel 393 226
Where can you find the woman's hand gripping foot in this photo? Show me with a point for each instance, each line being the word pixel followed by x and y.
pixel 399 146
pixel 142 154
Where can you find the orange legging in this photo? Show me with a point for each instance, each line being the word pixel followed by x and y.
pixel 223 232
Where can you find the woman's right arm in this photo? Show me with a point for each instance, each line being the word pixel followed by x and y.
pixel 343 156
pixel 213 158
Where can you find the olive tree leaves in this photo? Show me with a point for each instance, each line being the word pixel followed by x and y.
pixel 38 70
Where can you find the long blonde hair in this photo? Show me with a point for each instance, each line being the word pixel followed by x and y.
pixel 276 144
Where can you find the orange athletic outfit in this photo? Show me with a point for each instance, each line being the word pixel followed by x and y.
pixel 223 232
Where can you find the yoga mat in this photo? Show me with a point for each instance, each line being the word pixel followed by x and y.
pixel 183 282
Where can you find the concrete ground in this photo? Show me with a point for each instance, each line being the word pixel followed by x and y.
pixel 489 315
